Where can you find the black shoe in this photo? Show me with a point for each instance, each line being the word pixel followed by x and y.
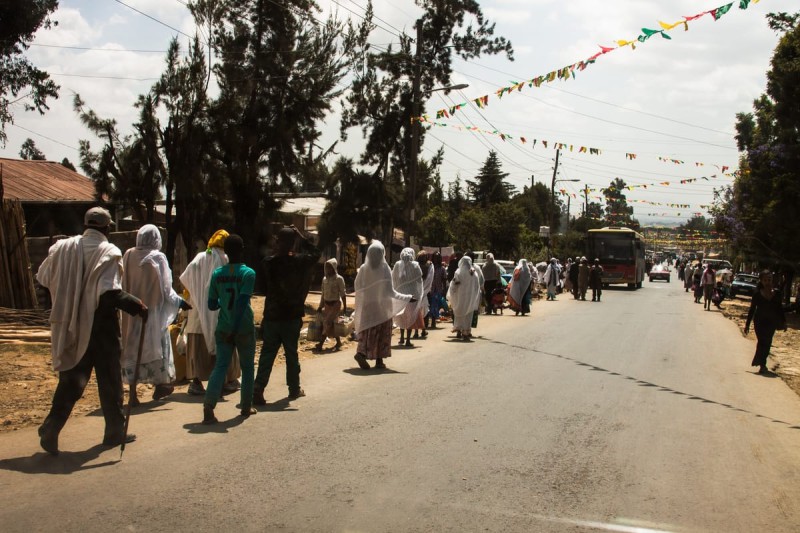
pixel 208 416
pixel 48 441
pixel 361 359
pixel 295 394
pixel 119 439
pixel 258 398
pixel 245 413
pixel 162 391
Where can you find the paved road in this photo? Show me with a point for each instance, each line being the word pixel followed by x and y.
pixel 639 413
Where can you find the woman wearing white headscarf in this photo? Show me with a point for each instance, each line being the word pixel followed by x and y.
pixel 331 303
pixel 407 279
pixel 427 284
pixel 464 296
pixel 551 278
pixel 519 294
pixel 376 303
pixel 146 274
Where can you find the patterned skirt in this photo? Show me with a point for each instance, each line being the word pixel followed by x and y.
pixel 376 342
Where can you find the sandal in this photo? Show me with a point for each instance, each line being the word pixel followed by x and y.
pixel 362 361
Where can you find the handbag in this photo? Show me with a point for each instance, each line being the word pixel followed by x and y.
pixel 343 326
pixel 314 331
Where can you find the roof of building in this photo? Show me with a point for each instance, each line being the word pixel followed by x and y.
pixel 311 206
pixel 44 182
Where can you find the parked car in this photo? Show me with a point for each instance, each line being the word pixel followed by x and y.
pixel 659 272
pixel 744 284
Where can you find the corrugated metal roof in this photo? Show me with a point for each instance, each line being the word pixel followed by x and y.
pixel 44 181
pixel 311 206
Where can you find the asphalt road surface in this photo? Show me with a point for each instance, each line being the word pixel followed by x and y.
pixel 639 413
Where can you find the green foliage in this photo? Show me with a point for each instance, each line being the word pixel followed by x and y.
pixel 618 212
pixel 697 223
pixel 29 151
pixel 489 186
pixel 435 227
pixel 570 244
pixel 20 80
pixel 502 228
pixel 68 164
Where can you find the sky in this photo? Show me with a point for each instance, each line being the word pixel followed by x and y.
pixel 667 101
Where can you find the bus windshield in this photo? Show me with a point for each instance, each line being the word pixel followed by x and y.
pixel 612 249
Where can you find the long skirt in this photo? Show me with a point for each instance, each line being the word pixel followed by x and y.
pixel 764 334
pixel 330 314
pixel 200 363
pixel 463 323
pixel 160 371
pixel 376 342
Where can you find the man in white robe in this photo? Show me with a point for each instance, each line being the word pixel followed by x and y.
pixel 83 275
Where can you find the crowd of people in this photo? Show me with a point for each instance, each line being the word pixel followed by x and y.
pixel 89 280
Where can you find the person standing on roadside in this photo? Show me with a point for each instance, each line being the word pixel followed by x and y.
pixel 229 291
pixel 83 274
pixel 596 280
pixel 464 295
pixel 767 313
pixel 436 297
pixel 551 278
pixel 146 274
pixel 491 276
pixel 708 281
pixel 332 303
pixel 574 271
pixel 583 278
pixel 688 277
pixel 287 277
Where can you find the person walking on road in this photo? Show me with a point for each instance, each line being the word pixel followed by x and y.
pixel 596 280
pixel 573 274
pixel 436 297
pixel 464 296
pixel 332 303
pixel 708 281
pixel 491 276
pixel 376 304
pixel 229 291
pixel 583 278
pixel 83 274
pixel 407 278
pixel 767 313
pixel 688 277
pixel 551 278
pixel 146 275
pixel 201 322
pixel 697 287
pixel 287 277
pixel 519 292
pixel 427 282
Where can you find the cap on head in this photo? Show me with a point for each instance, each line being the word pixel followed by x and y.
pixel 97 217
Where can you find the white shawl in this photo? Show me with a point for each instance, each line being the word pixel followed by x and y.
pixel 77 271
pixel 376 299
pixel 196 279
pixel 465 291
pixel 407 279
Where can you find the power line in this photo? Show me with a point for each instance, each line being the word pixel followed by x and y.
pixel 93 76
pixel 153 19
pixel 87 48
pixel 371 21
pixel 45 137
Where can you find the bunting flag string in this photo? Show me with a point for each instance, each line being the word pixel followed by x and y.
pixel 569 72
pixel 559 145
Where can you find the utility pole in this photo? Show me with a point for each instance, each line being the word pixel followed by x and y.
pixel 533 199
pixel 553 194
pixel 414 155
pixel 586 201
pixel 568 200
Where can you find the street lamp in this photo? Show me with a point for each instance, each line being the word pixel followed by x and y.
pixel 553 199
pixel 414 155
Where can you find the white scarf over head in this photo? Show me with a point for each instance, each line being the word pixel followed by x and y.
pixel 376 299
pixel 464 292
pixel 196 279
pixel 407 279
pixel 521 281
pixel 146 275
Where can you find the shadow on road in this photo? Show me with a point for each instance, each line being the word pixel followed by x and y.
pixel 197 428
pixel 65 463
pixel 281 405
pixel 371 371
pixel 655 386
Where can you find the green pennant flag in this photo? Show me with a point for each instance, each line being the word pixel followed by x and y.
pixel 743 4
pixel 647 33
pixel 721 10
pixel 665 36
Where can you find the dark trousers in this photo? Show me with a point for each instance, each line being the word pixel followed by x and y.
pixel 72 382
pixel 596 292
pixel 275 334
pixel 488 287
pixel 764 334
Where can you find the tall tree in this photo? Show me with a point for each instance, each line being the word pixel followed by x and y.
pixel 618 212
pixel 489 186
pixel 278 70
pixel 20 80
pixel 29 150
pixel 381 99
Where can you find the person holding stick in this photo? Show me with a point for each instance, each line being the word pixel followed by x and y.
pixel 83 274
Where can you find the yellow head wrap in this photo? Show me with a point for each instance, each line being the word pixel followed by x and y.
pixel 217 240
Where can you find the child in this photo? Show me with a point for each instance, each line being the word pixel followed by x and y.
pixel 229 291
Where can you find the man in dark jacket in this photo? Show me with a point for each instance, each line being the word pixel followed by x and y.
pixel 573 276
pixel 286 279
pixel 83 274
pixel 596 280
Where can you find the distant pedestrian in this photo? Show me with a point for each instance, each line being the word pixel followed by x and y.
pixel 551 279
pixel 583 278
pixel 230 291
pixel 286 280
pixel 146 275
pixel 767 313
pixel 332 303
pixel 687 277
pixel 407 279
pixel 83 274
pixel 376 304
pixel 596 280
pixel 697 287
pixel 519 293
pixel 436 297
pixel 464 296
pixel 427 282
pixel 708 281
pixel 567 278
pixel 491 276
pixel 574 271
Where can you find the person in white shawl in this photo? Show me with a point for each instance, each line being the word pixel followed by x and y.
pixel 519 295
pixel 83 276
pixel 146 275
pixel 427 283
pixel 551 278
pixel 201 322
pixel 376 303
pixel 464 296
pixel 407 279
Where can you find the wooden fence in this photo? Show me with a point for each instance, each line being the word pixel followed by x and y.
pixel 16 279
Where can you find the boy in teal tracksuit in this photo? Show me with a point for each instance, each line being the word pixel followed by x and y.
pixel 230 290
